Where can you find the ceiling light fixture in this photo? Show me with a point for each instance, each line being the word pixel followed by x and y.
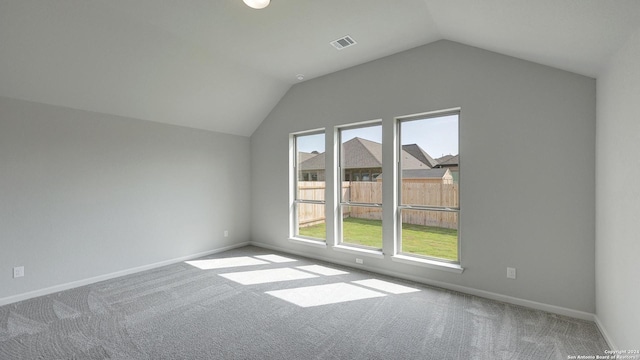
pixel 257 4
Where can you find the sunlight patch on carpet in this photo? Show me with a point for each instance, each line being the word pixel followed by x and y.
pixel 267 276
pixel 309 296
pixel 222 263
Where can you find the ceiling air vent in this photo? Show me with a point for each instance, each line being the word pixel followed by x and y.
pixel 343 42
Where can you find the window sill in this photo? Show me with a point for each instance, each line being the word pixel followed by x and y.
pixel 355 250
pixel 433 264
pixel 316 243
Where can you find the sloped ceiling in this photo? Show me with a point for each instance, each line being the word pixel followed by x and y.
pixel 221 66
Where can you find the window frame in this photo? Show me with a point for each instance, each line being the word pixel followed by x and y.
pixel 400 207
pixel 294 194
pixel 341 203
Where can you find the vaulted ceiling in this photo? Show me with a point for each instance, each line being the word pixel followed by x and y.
pixel 220 65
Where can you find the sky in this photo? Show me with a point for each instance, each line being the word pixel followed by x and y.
pixel 437 136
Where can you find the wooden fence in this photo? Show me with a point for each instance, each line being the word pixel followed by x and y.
pixel 413 193
pixel 310 214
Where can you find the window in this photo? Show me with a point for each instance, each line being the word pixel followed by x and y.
pixel 309 186
pixel 360 223
pixel 428 191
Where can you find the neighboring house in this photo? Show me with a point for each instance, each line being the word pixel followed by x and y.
pixel 304 156
pixel 448 161
pixel 312 169
pixel 363 161
pixel 451 162
pixel 308 175
pixel 417 152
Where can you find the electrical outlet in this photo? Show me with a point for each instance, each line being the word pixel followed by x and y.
pixel 18 271
pixel 359 261
pixel 226 233
pixel 511 273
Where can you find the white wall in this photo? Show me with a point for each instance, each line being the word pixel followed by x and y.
pixel 527 143
pixel 618 197
pixel 85 194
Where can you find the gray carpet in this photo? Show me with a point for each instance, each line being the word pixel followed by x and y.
pixel 182 311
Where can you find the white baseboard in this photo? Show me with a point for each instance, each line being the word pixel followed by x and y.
pixel 604 333
pixel 463 289
pixel 95 279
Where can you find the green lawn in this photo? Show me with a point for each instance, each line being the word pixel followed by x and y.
pixel 430 241
pixel 416 239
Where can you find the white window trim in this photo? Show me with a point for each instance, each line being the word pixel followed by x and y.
pixel 335 242
pixel 293 187
pixel 311 242
pixel 399 256
pixel 433 264
pixel 339 245
pixel 378 254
